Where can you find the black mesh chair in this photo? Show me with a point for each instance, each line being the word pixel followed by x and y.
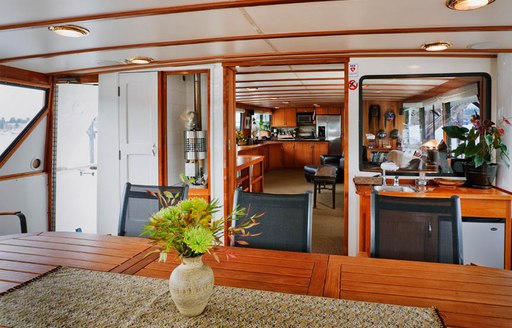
pixel 285 225
pixel 21 218
pixel 417 229
pixel 138 205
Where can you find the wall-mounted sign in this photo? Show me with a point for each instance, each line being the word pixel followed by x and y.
pixel 352 84
pixel 353 70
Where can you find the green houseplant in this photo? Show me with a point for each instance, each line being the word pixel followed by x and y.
pixel 479 145
pixel 190 230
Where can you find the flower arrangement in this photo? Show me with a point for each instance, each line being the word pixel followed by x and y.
pixel 190 229
pixel 240 138
pixel 479 142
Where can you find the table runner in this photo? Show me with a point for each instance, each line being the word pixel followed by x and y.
pixel 69 297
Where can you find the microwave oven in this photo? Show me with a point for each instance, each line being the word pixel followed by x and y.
pixel 304 118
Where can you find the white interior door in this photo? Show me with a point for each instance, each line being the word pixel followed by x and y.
pixel 138 128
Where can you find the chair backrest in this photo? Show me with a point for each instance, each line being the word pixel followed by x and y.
pixel 285 225
pixel 418 229
pixel 138 205
pixel 21 218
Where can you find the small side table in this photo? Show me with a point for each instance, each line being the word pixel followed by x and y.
pixel 326 175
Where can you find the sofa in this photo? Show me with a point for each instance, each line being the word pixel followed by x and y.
pixel 336 160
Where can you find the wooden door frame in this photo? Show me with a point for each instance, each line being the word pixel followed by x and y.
pixel 163 154
pixel 229 84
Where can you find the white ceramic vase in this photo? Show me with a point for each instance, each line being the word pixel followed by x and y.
pixel 191 285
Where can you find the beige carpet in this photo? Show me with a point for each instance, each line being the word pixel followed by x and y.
pixel 327 223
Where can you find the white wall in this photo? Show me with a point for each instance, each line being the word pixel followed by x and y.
pixel 28 195
pixel 109 190
pixel 504 109
pixel 403 65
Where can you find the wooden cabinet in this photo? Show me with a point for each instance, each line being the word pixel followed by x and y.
pixel 303 154
pixel 288 155
pixel 278 117
pixel 284 117
pixel 401 245
pixel 328 111
pixel 320 148
pixel 275 154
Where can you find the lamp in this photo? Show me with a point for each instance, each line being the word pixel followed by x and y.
pixel 436 46
pixel 467 4
pixel 195 150
pixel 140 60
pixel 71 31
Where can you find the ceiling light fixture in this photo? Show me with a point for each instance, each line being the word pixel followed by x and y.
pixel 436 46
pixel 251 89
pixel 467 4
pixel 70 31
pixel 286 102
pixel 139 60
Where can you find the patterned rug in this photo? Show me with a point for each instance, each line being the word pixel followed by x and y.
pixel 70 297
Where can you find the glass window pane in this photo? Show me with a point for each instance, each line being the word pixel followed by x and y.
pixel 19 106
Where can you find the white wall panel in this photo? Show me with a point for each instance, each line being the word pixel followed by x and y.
pixel 28 195
pixel 504 109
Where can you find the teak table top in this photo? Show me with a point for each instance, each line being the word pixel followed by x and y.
pixel 466 296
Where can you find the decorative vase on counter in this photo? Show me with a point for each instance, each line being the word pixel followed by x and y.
pixel 191 285
pixel 480 177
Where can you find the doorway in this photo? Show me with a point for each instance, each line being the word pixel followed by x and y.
pixel 76 112
pixel 296 94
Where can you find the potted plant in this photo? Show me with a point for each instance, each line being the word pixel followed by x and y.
pixel 190 230
pixel 478 145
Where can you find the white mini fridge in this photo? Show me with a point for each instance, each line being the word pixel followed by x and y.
pixel 483 242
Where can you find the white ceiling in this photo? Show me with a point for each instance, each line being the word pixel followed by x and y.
pixel 353 27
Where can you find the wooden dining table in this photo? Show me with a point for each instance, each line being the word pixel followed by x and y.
pixel 465 296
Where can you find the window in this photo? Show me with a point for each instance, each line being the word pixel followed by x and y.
pixel 20 108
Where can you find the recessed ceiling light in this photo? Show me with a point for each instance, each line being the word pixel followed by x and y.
pixel 140 60
pixel 316 105
pixel 273 98
pixel 251 89
pixel 71 31
pixel 467 4
pixel 436 46
pixel 286 102
pixel 484 45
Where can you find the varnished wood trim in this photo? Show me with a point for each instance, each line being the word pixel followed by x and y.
pixel 291 71
pixel 452 55
pixel 49 151
pixel 294 86
pixel 229 99
pixel 22 76
pixel 270 37
pixel 253 107
pixel 278 92
pixel 21 175
pixel 293 79
pixel 152 12
pixel 346 143
pixel 163 178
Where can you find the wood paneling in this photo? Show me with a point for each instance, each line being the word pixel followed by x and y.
pixel 16 75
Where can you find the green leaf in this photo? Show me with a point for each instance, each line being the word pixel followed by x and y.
pixel 456 132
pixel 478 161
pixel 471 149
pixel 460 150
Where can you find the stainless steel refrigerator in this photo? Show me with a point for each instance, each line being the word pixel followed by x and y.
pixel 332 124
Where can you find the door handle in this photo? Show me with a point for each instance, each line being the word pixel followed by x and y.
pixel 153 150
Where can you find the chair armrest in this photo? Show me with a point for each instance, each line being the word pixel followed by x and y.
pixel 330 159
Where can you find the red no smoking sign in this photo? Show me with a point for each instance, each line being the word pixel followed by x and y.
pixel 352 84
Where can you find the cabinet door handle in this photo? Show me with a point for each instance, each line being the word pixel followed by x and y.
pixel 429 230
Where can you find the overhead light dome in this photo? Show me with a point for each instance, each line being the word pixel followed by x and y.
pixel 467 4
pixel 140 60
pixel 70 31
pixel 436 46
